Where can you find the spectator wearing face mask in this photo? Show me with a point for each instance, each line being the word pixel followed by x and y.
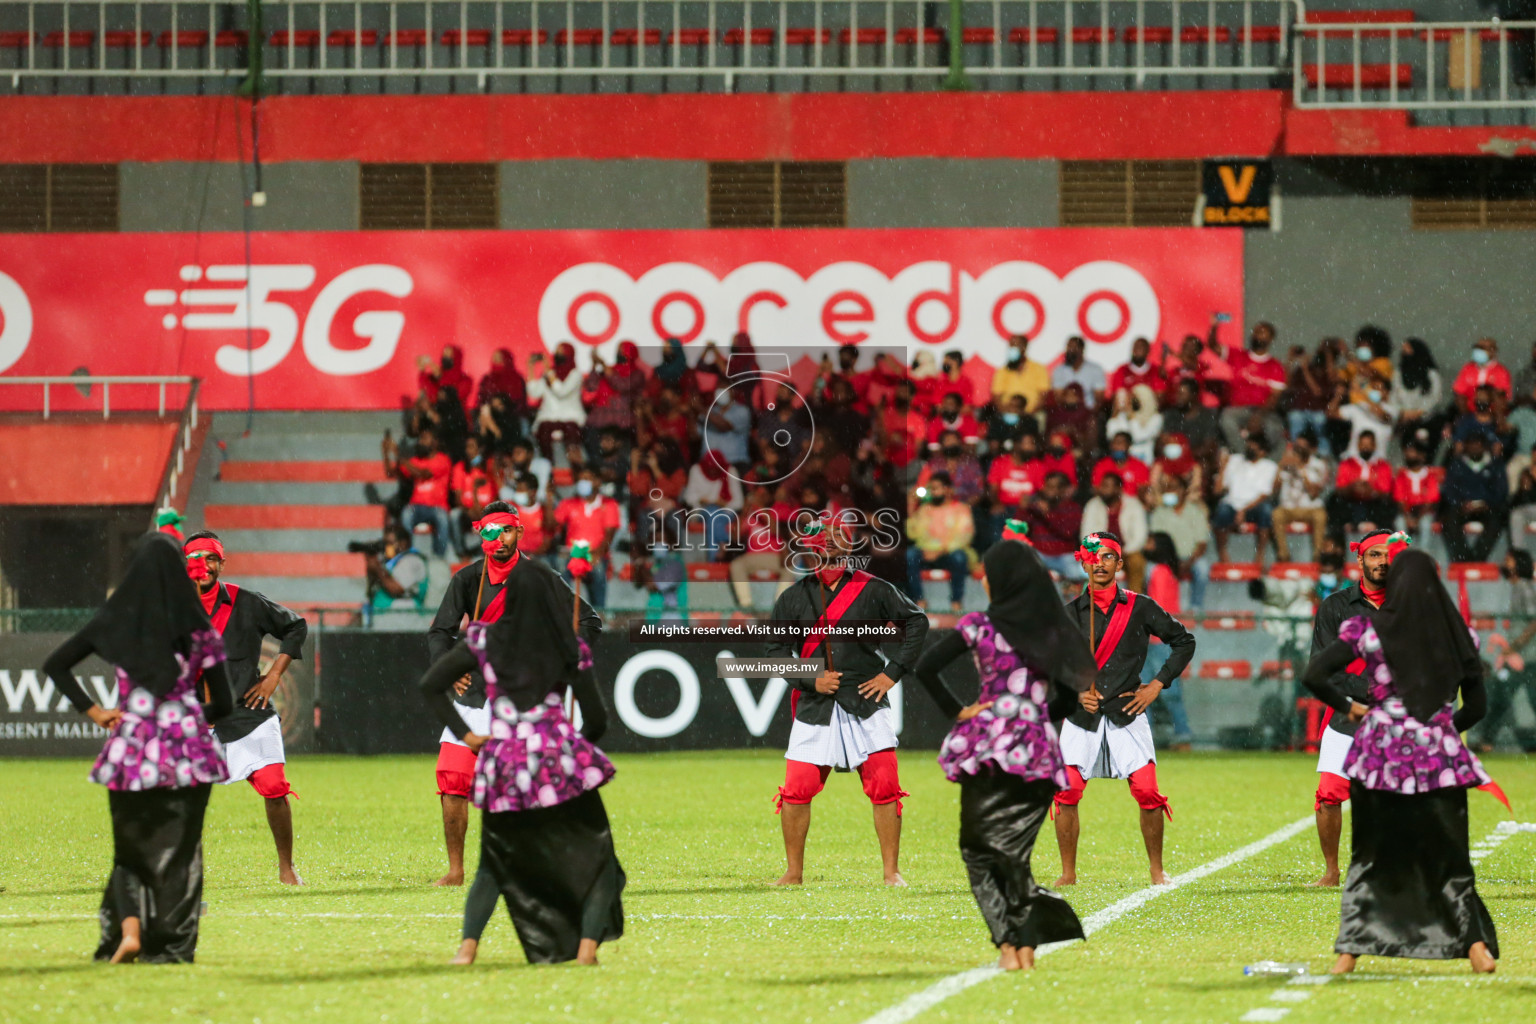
pixel 1483 369
pixel 1303 477
pixel 1195 421
pixel 952 415
pixel 953 381
pixel 714 490
pixel 1021 376
pixel 1068 415
pixel 1416 384
pixel 474 486
pixel 1133 473
pixel 1176 468
pixel 593 517
pixel 1486 417
pixel 1054 526
pixel 1141 371
pixel 1258 378
pixel 1246 496
pixel 1372 354
pixel 1077 368
pixel 1134 412
pixel 940 529
pixel 1111 508
pixel 1362 490
pixel 1059 457
pixel 955 461
pixel 1185 520
pixel 1007 423
pixel 1476 491
pixel 1416 489
pixel 1373 411
pixel 1014 477
pixel 1308 395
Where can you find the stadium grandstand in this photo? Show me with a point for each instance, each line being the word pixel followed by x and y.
pixel 1241 282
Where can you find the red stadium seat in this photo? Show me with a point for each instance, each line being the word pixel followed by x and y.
pixel 522 37
pixel 765 576
pixel 1473 572
pixel 1377 17
pixel 760 36
pixel 1294 570
pixel 937 575
pixel 347 37
pixel 1234 572
pixel 1260 34
pixel 1093 34
pixel 122 40
pixel 983 35
pixel 1151 34
pixel 709 572
pixel 562 477
pixel 867 36
pixel 689 37
pixel 1229 621
pixel 908 36
pixel 1021 34
pixel 230 37
pixel 1372 76
pixel 16 39
pixel 302 37
pixel 631 36
pixel 472 37
pixel 1275 668
pixel 1202 34
pixel 1237 669
pixel 407 37
pixel 191 40
pixel 1298 528
pixel 579 37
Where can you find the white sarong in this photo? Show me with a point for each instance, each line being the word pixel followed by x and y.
pixel 1331 751
pixel 846 742
pixel 1110 751
pixel 255 750
pixel 478 720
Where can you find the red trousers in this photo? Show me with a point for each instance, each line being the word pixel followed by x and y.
pixel 270 782
pixel 802 781
pixel 455 770
pixel 1143 783
pixel 1331 790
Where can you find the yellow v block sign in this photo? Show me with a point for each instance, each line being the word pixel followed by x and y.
pixel 1237 185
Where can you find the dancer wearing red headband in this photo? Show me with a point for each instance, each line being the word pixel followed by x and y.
pixel 1374 552
pixel 842 717
pixel 252 734
pixel 476 593
pixel 1107 736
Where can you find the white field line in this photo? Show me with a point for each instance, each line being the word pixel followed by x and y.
pixel 956 983
pixel 345 915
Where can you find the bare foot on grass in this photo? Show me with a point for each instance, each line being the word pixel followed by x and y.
pixel 466 954
pixel 451 878
pixel 789 879
pixel 1344 964
pixel 1482 960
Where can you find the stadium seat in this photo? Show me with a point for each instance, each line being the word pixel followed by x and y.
pixel 14 39
pixel 301 37
pixel 1294 570
pixel 762 576
pixel 347 37
pixel 1233 669
pixel 980 35
pixel 1234 572
pixel 183 40
pixel 1472 572
pixel 1298 528
pixel 522 37
pixel 77 40
pixel 1021 34
pixel 631 37
pixel 230 37
pixel 1387 17
pixel 406 37
pixel 471 37
pixel 1202 34
pixel 1229 621
pixel 709 572
pixel 936 575
pixel 689 37
pixel 1151 34
pixel 1275 668
pixel 122 40
pixel 1093 34
pixel 579 37
pixel 909 36
pixel 867 36
pixel 562 477
pixel 1372 76
pixel 1260 34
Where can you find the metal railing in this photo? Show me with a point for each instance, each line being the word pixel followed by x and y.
pixel 176 466
pixel 703 39
pixel 160 383
pixel 1414 65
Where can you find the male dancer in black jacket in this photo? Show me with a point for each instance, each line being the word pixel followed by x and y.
pixel 1108 735
pixel 475 593
pixel 252 734
pixel 842 717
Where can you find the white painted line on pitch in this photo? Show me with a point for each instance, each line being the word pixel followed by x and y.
pixel 957 983
pixel 1500 834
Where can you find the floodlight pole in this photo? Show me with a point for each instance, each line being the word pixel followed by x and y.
pixel 956 81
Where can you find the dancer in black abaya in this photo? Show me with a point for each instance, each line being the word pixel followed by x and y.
pixel 1033 662
pixel 1410 890
pixel 545 842
pixel 161 757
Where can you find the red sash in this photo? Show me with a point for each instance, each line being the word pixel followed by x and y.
pixel 492 611
pixel 222 613
pixel 1115 630
pixel 830 617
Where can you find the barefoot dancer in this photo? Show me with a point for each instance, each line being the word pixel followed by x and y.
pixel 1410 891
pixel 1108 736
pixel 160 757
pixel 474 593
pixel 1375 551
pixel 545 842
pixel 253 734
pixel 842 718
pixel 1003 751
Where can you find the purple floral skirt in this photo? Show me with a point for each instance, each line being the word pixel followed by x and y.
pixel 1394 752
pixel 535 758
pixel 160 743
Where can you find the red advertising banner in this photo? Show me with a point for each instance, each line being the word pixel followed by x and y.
pixel 338 320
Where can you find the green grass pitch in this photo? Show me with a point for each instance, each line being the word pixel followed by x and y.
pixel 708 939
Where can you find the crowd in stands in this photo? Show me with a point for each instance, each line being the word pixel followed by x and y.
pixel 1174 451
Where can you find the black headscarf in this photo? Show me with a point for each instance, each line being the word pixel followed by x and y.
pixel 1416 365
pixel 532 646
pixel 150 617
pixel 1423 637
pixel 1026 609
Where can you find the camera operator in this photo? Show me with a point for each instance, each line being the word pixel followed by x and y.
pixel 394 569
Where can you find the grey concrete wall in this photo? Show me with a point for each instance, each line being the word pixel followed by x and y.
pixel 597 194
pixel 208 197
pixel 1342 259
pixel 932 193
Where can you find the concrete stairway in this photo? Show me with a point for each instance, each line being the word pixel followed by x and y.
pixel 286 498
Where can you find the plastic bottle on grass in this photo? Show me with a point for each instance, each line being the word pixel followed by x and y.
pixel 1274 968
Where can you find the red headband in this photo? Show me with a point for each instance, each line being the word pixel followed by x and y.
pixel 1396 543
pixel 209 544
pixel 498 519
pixel 821 530
pixel 1090 552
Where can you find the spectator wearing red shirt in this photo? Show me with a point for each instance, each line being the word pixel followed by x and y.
pixel 429 471
pixel 878 386
pixel 1209 374
pixel 1068 414
pixel 1134 474
pixel 474 486
pixel 1258 378
pixel 902 427
pixel 588 515
pixel 1015 477
pixel 1140 370
pixel 1054 520
pixel 537 517
pixel 953 381
pixel 656 481
pixel 761 532
pixel 1362 497
pixel 1059 458
pixel 1482 369
pixel 1176 467
pixel 1417 487
pixel 928 385
pixel 953 415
